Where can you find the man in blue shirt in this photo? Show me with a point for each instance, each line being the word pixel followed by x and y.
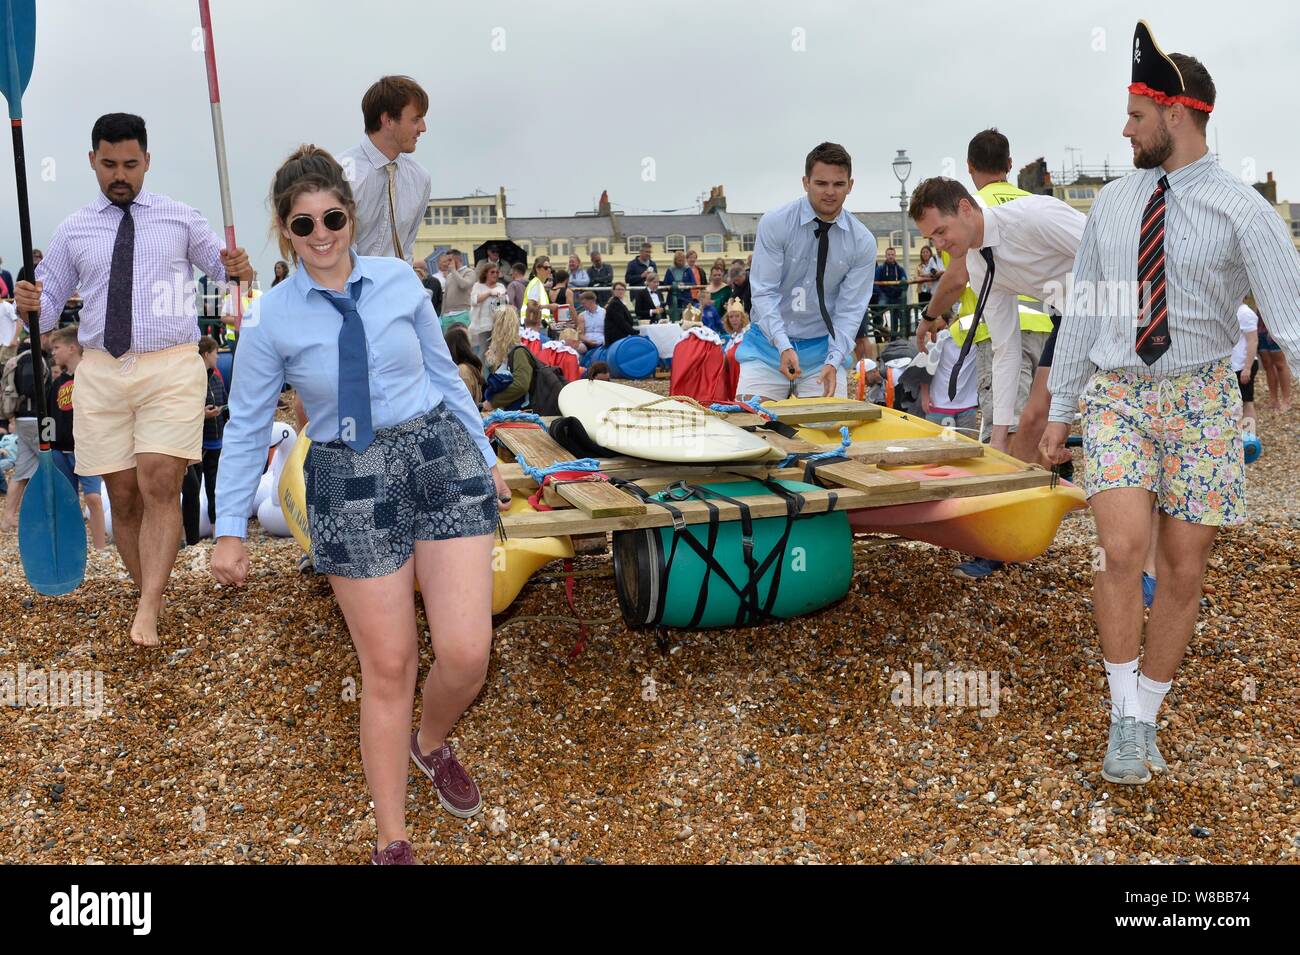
pixel 810 279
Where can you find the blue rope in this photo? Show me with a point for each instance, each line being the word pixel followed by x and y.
pixel 845 441
pixel 499 416
pixel 755 403
pixel 540 474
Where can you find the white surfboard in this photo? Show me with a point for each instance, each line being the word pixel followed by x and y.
pixel 670 431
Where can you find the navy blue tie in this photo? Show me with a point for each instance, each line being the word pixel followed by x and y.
pixel 117 313
pixel 355 428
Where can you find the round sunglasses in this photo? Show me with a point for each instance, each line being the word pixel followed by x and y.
pixel 303 225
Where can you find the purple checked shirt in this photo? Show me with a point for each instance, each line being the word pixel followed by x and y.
pixel 170 240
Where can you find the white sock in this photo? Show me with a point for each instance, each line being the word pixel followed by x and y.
pixel 1123 688
pixel 1150 695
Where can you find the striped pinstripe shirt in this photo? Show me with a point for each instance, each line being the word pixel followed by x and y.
pixel 171 239
pixel 1222 239
pixel 365 167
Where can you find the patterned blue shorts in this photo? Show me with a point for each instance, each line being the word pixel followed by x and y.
pixel 424 479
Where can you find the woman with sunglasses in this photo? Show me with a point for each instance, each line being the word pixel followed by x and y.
pixel 401 482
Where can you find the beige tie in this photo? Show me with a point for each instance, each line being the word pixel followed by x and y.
pixel 392 208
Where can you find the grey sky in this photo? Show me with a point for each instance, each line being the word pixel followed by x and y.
pixel 713 91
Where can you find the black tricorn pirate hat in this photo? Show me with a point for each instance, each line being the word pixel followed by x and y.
pixel 1156 75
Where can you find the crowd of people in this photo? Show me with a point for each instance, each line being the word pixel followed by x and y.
pixel 394 367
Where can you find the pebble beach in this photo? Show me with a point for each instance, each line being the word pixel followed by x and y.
pixel 236 741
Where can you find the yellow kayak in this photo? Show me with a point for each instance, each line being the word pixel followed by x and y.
pixel 513 561
pixel 1011 526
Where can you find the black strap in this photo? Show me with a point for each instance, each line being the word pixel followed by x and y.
pixel 750 609
pixel 810 468
pixel 985 287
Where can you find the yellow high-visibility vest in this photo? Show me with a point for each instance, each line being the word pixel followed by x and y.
pixel 1031 319
pixel 543 298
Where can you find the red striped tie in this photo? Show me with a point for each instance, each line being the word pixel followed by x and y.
pixel 1153 315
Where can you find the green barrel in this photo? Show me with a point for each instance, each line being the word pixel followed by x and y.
pixel 808 568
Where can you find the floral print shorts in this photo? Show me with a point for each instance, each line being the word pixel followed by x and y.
pixel 1177 437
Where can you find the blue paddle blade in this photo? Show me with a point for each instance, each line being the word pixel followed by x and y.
pixel 51 533
pixel 18 50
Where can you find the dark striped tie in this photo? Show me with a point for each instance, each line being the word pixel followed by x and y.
pixel 1153 315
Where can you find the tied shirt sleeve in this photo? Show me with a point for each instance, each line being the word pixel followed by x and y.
pixel 765 284
pixel 58 276
pixel 851 302
pixel 1070 363
pixel 254 394
pixel 1273 267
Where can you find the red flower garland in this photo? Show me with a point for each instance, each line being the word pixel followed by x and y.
pixel 1164 99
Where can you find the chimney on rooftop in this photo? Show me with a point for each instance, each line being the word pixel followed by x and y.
pixel 717 201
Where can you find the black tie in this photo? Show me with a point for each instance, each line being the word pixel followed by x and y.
pixel 117 315
pixel 823 232
pixel 985 287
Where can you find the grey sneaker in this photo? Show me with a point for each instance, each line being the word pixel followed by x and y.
pixel 1154 759
pixel 1126 754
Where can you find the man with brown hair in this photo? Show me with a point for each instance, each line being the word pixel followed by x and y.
pixel 391 189
pixel 1183 239
pixel 1025 247
pixel 812 271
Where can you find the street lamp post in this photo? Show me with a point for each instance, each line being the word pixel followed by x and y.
pixel 902 169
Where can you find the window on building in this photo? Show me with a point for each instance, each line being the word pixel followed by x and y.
pixel 428 215
pixel 747 242
pixel 598 245
pixel 526 246
pixel 632 244
pixel 675 243
pixel 712 244
pixel 482 215
pixel 896 239
pixel 1295 228
pixel 560 247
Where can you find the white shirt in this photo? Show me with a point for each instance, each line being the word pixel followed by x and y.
pixel 365 166
pixel 8 325
pixel 1034 241
pixel 967 381
pixel 1248 321
pixel 1222 239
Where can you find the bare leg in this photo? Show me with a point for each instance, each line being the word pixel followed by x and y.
pixel 1149 566
pixel 13 501
pixel 159 477
pixel 95 506
pixel 1124 531
pixel 456 581
pixel 1033 420
pixel 1183 552
pixel 380 613
pixel 128 507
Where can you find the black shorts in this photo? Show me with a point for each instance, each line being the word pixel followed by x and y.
pixel 1248 391
pixel 1045 360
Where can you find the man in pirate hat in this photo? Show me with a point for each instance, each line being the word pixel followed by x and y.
pixel 1181 240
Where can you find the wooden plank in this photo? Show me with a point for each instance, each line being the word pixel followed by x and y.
pixel 863 477
pixel 597 499
pixel 899 451
pixel 805 414
pixel 556 523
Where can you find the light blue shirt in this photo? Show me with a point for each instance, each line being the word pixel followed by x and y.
pixel 783 279
pixel 291 335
